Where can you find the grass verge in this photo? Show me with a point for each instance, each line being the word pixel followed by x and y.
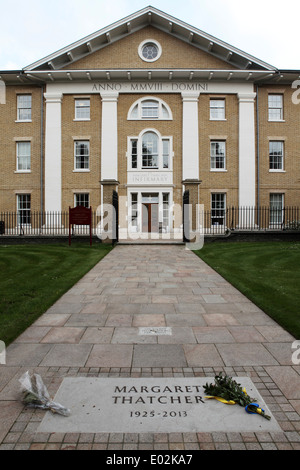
pixel 35 276
pixel 266 273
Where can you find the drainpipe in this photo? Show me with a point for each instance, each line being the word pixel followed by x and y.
pixel 257 143
pixel 42 153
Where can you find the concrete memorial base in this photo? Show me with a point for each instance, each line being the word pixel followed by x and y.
pixel 139 405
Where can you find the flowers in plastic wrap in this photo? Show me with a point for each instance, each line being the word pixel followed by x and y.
pixel 35 394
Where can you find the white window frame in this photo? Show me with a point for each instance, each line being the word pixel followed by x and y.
pixel 78 169
pixel 271 154
pixel 276 212
pixel 19 157
pixel 77 195
pixel 135 112
pixel 134 211
pixel 139 155
pixel 166 215
pixel 135 208
pixel 79 107
pixel 21 108
pixel 213 108
pixel 214 156
pixel 154 154
pixel 278 108
pixel 149 107
pixel 213 207
pixel 22 210
pixel 143 44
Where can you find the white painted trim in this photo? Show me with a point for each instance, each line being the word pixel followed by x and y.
pixel 109 137
pixel 156 43
pixel 53 176
pixel 139 138
pixel 149 98
pixel 152 86
pixel 141 18
pixel 149 189
pixel 247 162
pixel 190 136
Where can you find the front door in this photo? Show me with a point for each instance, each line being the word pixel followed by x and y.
pixel 150 217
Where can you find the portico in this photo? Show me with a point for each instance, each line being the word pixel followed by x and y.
pixel 149 177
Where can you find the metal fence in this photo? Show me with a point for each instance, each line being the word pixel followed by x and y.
pixel 211 222
pixel 254 219
pixel 43 223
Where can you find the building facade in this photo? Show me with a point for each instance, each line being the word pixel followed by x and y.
pixel 150 108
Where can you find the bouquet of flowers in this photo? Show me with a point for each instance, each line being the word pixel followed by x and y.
pixel 228 391
pixel 35 394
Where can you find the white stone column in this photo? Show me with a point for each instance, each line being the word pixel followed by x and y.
pixel 109 161
pixel 190 136
pixel 109 136
pixel 247 149
pixel 53 177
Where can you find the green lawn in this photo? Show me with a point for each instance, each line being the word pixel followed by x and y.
pixel 33 277
pixel 267 273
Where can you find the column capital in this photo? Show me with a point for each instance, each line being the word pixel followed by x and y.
pixel 191 181
pixel 109 96
pixel 190 95
pixel 110 182
pixel 53 97
pixel 246 97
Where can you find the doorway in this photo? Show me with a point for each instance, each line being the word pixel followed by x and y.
pixel 150 213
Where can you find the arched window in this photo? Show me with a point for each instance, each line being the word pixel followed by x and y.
pixel 150 109
pixel 149 151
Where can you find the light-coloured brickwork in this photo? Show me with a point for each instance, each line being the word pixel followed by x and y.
pixel 226 181
pixel 76 181
pixel 287 181
pixel 124 54
pixel 13 182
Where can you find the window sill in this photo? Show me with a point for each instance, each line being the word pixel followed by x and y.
pixel 82 171
pixel 277 171
pixel 81 120
pixel 276 120
pixel 24 120
pixel 22 171
pixel 214 119
pixel 218 170
pixel 149 119
pixel 150 168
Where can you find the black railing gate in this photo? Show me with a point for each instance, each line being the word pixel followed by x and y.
pixel 186 216
pixel 115 227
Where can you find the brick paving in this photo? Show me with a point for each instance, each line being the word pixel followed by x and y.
pixel 92 331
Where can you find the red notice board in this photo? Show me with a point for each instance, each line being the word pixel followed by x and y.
pixel 80 216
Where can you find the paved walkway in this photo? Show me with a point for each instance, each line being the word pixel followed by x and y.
pixel 93 331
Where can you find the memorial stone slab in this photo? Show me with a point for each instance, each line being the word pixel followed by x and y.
pixel 139 405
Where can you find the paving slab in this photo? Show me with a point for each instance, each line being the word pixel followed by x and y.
pixel 159 355
pixel 110 355
pixel 245 354
pixel 67 355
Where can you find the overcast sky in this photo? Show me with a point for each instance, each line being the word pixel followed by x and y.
pixel 266 29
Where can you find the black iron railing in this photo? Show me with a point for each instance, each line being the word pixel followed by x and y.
pixel 216 221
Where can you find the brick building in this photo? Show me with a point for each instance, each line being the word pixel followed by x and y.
pixel 149 107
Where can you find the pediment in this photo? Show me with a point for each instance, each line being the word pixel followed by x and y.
pixel 175 54
pixel 192 47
